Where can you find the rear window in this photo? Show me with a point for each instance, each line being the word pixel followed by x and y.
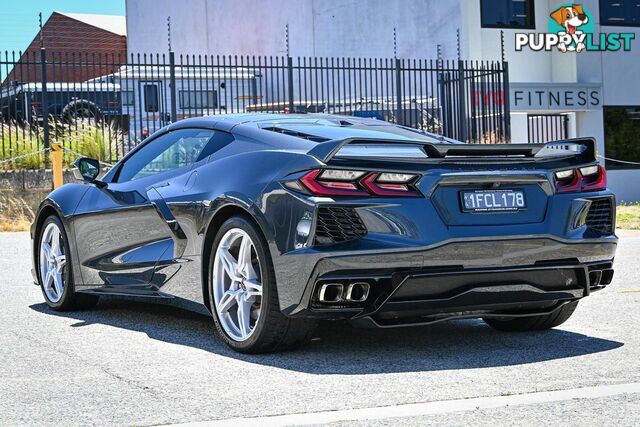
pixel 386 151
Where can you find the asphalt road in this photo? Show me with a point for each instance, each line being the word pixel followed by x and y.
pixel 127 363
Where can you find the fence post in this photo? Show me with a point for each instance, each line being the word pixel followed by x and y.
pixel 507 101
pixel 290 83
pixel 462 108
pixel 45 101
pixel 172 85
pixel 399 118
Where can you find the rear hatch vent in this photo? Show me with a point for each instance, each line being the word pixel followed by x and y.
pixel 296 134
pixel 601 215
pixel 338 224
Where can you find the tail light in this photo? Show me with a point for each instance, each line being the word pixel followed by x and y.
pixel 319 186
pixel 389 184
pixel 567 181
pixel 589 178
pixel 334 182
pixel 594 178
pixel 36 107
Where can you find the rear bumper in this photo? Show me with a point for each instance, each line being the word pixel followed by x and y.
pixel 433 296
pixel 415 236
pixel 459 279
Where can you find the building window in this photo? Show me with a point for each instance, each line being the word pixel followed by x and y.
pixel 150 98
pixel 198 99
pixel 623 13
pixel 622 137
pixel 507 14
pixel 128 98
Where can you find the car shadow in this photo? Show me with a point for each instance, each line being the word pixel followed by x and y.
pixel 340 349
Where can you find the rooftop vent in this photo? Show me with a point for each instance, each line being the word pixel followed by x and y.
pixel 297 134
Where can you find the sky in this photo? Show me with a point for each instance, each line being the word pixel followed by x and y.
pixel 19 18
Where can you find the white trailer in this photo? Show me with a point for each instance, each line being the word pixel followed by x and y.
pixel 146 95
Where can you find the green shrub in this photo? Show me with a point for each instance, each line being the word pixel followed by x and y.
pixel 20 142
pixel 88 139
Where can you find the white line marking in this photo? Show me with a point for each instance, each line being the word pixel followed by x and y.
pixel 427 408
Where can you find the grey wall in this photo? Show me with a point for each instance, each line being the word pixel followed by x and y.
pixel 618 71
pixel 360 28
pixel 28 179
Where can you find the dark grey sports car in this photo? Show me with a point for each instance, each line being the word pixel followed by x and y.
pixel 271 222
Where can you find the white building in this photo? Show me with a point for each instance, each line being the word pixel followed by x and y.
pixel 581 91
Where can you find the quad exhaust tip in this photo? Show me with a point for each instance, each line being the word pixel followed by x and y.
pixel 607 276
pixel 600 277
pixel 357 292
pixel 331 292
pixel 337 292
pixel 595 277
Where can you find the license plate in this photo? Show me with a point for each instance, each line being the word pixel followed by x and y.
pixel 493 200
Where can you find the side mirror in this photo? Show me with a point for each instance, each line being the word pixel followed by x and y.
pixel 88 169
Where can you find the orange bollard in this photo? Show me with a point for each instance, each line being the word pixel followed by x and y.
pixel 56 163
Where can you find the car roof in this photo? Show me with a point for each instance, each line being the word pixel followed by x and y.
pixel 310 128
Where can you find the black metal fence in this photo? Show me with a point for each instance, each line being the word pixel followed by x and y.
pixel 103 105
pixel 547 127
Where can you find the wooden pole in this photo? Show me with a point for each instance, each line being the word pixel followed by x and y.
pixel 56 160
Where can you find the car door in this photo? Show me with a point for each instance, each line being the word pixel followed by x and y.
pixel 124 228
pixel 184 198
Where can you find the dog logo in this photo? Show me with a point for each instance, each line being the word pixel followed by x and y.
pixel 571 18
pixel 571 28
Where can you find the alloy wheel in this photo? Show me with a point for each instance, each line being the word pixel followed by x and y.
pixel 52 262
pixel 237 285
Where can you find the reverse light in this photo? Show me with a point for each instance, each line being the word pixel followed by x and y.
pixel 562 175
pixel 588 178
pixel 341 175
pixel 395 177
pixel 589 170
pixel 334 182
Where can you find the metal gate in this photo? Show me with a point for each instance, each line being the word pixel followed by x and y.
pixel 475 102
pixel 547 127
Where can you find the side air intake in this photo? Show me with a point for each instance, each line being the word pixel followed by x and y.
pixel 338 224
pixel 601 215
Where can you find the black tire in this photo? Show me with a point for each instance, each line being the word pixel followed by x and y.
pixel 533 323
pixel 71 300
pixel 273 331
pixel 81 109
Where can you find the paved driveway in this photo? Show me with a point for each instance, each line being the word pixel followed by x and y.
pixel 129 363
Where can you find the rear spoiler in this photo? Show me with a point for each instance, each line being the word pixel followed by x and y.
pixel 582 148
